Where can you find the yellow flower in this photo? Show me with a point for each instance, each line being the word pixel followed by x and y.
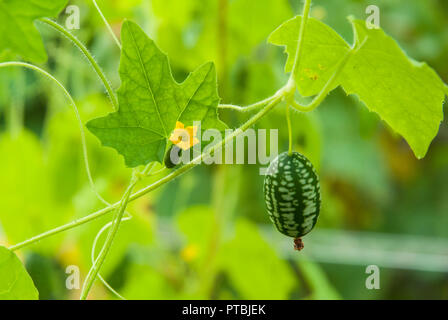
pixel 183 137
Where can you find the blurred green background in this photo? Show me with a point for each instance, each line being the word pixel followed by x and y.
pixel 207 234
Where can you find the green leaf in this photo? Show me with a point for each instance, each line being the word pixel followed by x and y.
pixel 406 94
pixel 322 49
pixel 151 101
pixel 15 282
pixel 17 30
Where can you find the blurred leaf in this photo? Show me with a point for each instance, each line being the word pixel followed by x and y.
pixel 257 90
pixel 200 30
pixel 315 278
pixel 254 268
pixel 346 155
pixel 17 31
pixel 189 222
pixel 117 9
pixel 26 192
pixel 144 282
pixel 251 21
pixel 48 276
pixel 15 282
pixel 192 190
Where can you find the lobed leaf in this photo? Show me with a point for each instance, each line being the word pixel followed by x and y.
pixel 151 101
pixel 406 94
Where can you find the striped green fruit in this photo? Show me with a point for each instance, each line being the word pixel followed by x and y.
pixel 292 194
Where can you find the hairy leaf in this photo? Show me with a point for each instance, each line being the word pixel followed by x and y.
pixel 15 282
pixel 17 30
pixel 151 101
pixel 407 95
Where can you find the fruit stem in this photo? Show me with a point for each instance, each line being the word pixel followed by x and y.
pixel 288 120
pixel 298 244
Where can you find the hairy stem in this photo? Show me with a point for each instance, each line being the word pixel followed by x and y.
pixel 288 121
pixel 298 56
pixel 114 226
pixel 285 92
pixel 65 227
pixel 93 272
pixel 248 108
pixel 109 28
pixel 93 257
pixel 89 57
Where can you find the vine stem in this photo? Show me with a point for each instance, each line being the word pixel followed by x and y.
pixel 285 93
pixel 288 121
pixel 109 28
pixel 118 218
pixel 298 56
pixel 93 272
pixel 78 118
pixel 277 98
pixel 291 85
pixel 248 108
pixel 93 258
pixel 89 57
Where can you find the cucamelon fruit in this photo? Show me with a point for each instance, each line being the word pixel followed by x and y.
pixel 292 194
